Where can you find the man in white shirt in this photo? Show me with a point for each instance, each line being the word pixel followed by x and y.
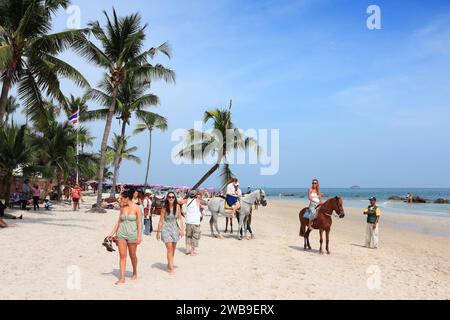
pixel 193 220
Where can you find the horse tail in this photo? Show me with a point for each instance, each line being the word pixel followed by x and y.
pixel 302 225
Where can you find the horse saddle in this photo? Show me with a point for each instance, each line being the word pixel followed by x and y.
pixel 307 214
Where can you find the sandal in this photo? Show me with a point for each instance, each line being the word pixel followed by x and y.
pixel 108 244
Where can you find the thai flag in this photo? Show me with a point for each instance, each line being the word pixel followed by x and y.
pixel 74 117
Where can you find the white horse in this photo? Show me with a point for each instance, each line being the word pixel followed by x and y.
pixel 217 206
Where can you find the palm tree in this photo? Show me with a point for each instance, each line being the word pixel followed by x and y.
pixel 14 153
pixel 149 122
pixel 200 144
pixel 131 98
pixel 11 106
pixel 119 146
pixel 28 53
pixel 122 41
pixel 55 146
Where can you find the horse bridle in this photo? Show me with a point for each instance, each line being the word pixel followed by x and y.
pixel 334 211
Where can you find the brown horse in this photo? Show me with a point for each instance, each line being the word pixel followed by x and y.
pixel 323 221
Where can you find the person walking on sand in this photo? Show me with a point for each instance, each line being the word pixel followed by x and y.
pixel 127 233
pixel 315 200
pixel 75 194
pixel 373 217
pixel 170 227
pixel 36 196
pixel 26 193
pixel 147 203
pixel 193 218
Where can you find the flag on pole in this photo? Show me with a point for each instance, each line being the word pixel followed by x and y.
pixel 74 117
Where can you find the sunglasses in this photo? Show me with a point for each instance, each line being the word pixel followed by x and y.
pixel 171 197
pixel 314 182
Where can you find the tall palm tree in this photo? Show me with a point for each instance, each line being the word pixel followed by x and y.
pixel 11 106
pixel 200 144
pixel 150 122
pixel 122 40
pixel 28 52
pixel 124 152
pixel 131 98
pixel 14 153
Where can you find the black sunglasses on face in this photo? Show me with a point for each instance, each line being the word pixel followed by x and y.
pixel 171 197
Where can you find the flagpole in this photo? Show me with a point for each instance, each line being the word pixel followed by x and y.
pixel 78 149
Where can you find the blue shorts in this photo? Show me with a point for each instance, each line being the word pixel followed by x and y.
pixel 231 200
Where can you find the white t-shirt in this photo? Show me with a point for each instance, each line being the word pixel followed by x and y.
pixel 231 190
pixel 193 213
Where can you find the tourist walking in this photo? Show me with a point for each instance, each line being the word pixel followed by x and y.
pixel 170 228
pixel 127 233
pixel 36 196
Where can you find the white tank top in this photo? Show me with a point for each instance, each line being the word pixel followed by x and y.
pixel 315 197
pixel 193 213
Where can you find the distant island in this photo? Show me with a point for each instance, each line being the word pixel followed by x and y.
pixel 355 187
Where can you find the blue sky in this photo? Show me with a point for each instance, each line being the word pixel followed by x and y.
pixel 353 105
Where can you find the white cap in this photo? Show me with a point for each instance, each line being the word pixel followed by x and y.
pixel 148 191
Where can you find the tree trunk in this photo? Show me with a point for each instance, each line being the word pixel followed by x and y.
pixel 117 156
pixel 4 96
pixel 210 172
pixel 149 155
pixel 8 181
pixel 108 123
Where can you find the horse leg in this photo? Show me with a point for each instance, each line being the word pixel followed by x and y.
pixel 309 244
pixel 245 228
pixel 216 217
pixel 231 225
pixel 321 240
pixel 226 225
pixel 327 235
pixel 240 222
pixel 211 220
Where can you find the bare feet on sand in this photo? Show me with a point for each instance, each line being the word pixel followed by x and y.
pixel 120 281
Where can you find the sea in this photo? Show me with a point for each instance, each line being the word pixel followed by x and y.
pixel 358 198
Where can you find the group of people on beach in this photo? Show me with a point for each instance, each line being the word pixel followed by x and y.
pixel 134 220
pixel 372 212
pixel 180 216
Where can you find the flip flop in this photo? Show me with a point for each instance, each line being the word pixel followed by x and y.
pixel 108 244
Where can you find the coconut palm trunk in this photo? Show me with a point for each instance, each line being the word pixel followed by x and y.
pixel 4 96
pixel 8 181
pixel 209 172
pixel 149 155
pixel 112 108
pixel 117 159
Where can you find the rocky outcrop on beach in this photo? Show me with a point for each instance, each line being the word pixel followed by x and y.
pixel 414 199
pixel 442 200
pixel 397 198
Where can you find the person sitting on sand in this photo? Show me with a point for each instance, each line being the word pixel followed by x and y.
pixel 5 215
pixel 232 196
pixel 170 227
pixel 127 233
pixel 315 200
pixel 373 217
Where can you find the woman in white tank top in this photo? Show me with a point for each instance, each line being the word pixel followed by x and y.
pixel 315 198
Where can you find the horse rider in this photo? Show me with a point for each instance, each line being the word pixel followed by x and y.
pixel 315 200
pixel 232 197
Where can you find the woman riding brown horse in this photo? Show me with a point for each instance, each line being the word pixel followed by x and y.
pixel 323 221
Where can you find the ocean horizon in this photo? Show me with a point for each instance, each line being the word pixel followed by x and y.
pixel 358 197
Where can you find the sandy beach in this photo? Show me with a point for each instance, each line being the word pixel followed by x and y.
pixel 43 253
